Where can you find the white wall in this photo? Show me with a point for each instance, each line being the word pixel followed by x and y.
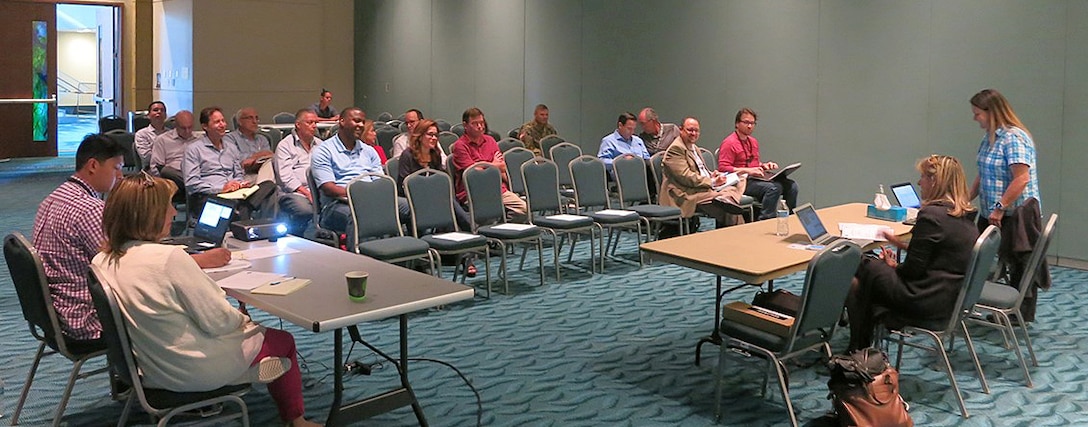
pixel 77 57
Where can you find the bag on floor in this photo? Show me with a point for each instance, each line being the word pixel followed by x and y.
pixel 780 300
pixel 865 390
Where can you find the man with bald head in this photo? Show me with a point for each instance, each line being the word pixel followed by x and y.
pixel 169 148
pixel 253 148
pixel 656 135
pixel 292 161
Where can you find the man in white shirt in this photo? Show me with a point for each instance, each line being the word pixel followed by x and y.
pixel 292 162
pixel 169 148
pixel 144 138
pixel 400 143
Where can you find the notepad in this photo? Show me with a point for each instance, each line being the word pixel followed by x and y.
pixel 456 236
pixel 285 287
pixel 565 217
pixel 512 227
pixel 240 193
pixel 614 212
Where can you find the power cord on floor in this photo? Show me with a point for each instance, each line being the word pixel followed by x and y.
pixel 479 401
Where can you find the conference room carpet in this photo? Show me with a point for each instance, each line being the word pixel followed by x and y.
pixel 610 349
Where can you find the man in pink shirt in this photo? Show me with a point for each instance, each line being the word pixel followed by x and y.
pixel 739 153
pixel 477 146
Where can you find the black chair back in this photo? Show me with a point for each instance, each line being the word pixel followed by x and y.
pixel 28 276
pixel 111 122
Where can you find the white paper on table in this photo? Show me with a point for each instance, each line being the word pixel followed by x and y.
pixel 852 230
pixel 615 212
pixel 234 264
pixel 455 236
pixel 263 252
pixel 565 217
pixel 248 280
pixel 512 227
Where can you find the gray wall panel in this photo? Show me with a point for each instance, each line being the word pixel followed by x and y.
pixel 553 65
pixel 1072 207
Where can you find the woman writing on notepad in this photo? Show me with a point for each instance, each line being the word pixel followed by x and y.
pixel 187 336
pixel 923 287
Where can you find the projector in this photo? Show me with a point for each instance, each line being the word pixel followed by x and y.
pixel 258 229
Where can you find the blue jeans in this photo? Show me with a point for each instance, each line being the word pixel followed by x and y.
pixel 769 192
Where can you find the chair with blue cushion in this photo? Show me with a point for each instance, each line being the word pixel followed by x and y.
pixel 591 198
pixel 514 158
pixel 373 201
pixel 446 140
pixel 159 403
pixel 1003 301
pixel 983 257
pixel 546 210
pixel 283 117
pixel 546 144
pixel 508 143
pixel 431 199
pixel 562 154
pixel 631 181
pixel 827 283
pixel 483 183
pixel 28 276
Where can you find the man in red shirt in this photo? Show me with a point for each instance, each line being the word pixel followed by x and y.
pixel 739 153
pixel 477 146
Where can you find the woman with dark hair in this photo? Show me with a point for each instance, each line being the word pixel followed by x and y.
pixel 324 109
pixel 187 336
pixel 925 286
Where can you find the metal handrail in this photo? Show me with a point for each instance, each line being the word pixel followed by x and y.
pixel 50 100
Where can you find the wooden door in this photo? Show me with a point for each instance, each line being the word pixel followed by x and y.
pixel 28 70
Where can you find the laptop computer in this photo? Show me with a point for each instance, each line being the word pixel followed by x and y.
pixel 211 227
pixel 815 229
pixel 908 198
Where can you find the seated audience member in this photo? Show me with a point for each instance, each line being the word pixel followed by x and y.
pixel 68 233
pixel 689 184
pixel 925 286
pixel 370 137
pixel 656 135
pixel 144 138
pixel 212 166
pixel 254 148
pixel 536 129
pixel 622 141
pixel 476 146
pixel 187 336
pixel 340 159
pixel 400 143
pixel 324 109
pixel 169 148
pixel 739 152
pixel 293 160
pixel 423 152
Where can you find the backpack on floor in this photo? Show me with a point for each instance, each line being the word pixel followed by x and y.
pixel 865 390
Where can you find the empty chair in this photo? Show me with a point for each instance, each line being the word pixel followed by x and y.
pixel 634 195
pixel 111 122
pixel 159 403
pixel 384 116
pixel 133 162
pixel 591 194
pixel 458 128
pixel 494 135
pixel 545 209
pixel 514 158
pixel 373 201
pixel 443 126
pixel 28 276
pixel 1003 301
pixel 983 256
pixel 446 140
pixel 514 133
pixel 283 117
pixel 827 282
pixel 547 143
pixel 483 183
pixel 508 143
pixel 385 138
pixel 562 154
pixel 430 197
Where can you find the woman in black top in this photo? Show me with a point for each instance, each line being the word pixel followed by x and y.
pixel 423 152
pixel 925 286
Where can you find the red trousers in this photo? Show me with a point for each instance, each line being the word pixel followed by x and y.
pixel 285 390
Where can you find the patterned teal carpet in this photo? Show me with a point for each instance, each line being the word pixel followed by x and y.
pixel 610 349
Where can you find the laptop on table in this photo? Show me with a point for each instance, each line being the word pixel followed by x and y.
pixel 815 229
pixel 211 227
pixel 908 198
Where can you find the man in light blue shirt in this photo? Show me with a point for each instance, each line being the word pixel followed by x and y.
pixel 338 160
pixel 622 141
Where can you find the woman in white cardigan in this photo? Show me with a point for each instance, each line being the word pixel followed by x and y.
pixel 185 333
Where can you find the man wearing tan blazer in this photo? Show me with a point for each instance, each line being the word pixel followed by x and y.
pixel 691 186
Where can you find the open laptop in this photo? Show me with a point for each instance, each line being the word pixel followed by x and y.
pixel 908 198
pixel 815 229
pixel 211 227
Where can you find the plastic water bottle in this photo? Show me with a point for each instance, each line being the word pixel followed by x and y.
pixel 783 219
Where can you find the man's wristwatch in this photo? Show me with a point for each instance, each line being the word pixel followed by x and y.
pixel 998 206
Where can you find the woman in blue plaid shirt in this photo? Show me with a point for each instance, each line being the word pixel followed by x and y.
pixel 1006 159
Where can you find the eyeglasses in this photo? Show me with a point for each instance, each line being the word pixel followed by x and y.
pixel 691 130
pixel 749 122
pixel 431 134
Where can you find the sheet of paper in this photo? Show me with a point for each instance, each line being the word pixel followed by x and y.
pixel 285 287
pixel 456 237
pixel 513 227
pixel 234 265
pixel 565 217
pixel 615 212
pixel 248 280
pixel 852 230
pixel 263 252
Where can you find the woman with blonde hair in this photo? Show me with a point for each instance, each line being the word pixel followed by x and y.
pixel 370 137
pixel 925 286
pixel 187 336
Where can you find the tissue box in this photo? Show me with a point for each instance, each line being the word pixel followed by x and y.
pixel 896 213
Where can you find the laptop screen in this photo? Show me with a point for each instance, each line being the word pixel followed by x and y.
pixel 214 220
pixel 810 221
pixel 905 194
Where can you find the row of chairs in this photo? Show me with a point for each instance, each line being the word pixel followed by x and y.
pixel 831 271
